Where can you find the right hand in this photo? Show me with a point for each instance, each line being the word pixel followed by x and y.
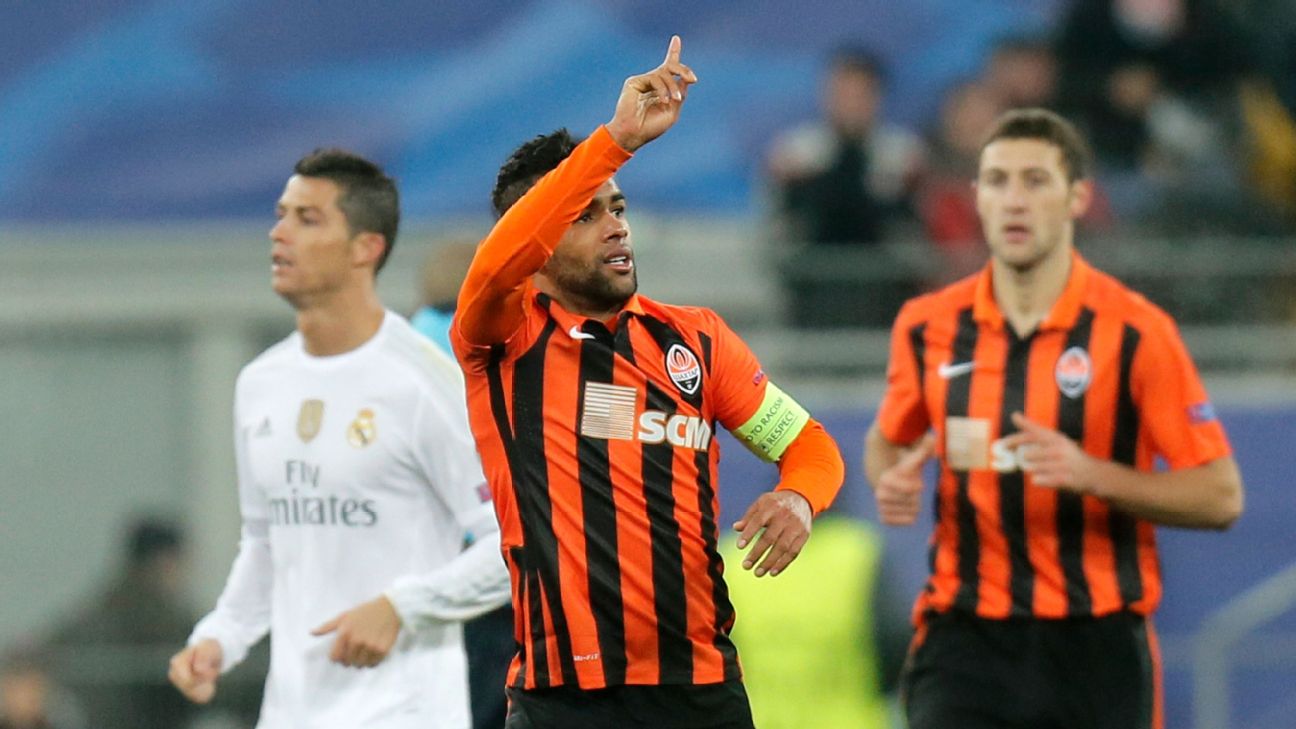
pixel 899 488
pixel 650 102
pixel 195 670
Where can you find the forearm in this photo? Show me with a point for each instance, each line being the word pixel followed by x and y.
pixel 812 466
pixel 524 238
pixel 1204 497
pixel 879 454
pixel 242 613
pixel 473 583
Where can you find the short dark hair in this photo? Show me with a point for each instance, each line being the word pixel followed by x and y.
pixel 150 536
pixel 859 59
pixel 1046 126
pixel 367 196
pixel 529 163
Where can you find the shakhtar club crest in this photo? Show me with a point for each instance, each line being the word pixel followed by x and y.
pixel 683 368
pixel 1074 371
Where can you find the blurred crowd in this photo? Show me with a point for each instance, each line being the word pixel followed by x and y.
pixel 102 665
pixel 1188 106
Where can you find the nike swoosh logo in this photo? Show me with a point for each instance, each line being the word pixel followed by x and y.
pixel 947 370
pixel 576 333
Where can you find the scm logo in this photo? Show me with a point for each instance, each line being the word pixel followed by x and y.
pixel 681 431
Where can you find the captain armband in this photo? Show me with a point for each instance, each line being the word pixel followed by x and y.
pixel 777 422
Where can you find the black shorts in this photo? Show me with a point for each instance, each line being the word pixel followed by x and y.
pixel 708 706
pixel 1078 673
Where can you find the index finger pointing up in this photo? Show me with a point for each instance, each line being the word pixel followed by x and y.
pixel 673 50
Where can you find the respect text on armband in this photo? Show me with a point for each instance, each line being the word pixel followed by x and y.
pixel 778 420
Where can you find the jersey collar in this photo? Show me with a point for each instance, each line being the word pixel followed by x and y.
pixel 1064 312
pixel 575 322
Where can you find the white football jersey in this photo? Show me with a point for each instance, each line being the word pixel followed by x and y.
pixel 358 477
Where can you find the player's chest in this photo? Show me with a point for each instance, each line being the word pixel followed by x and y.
pixel 327 443
pixel 990 365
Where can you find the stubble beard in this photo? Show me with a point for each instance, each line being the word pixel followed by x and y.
pixel 1039 252
pixel 596 291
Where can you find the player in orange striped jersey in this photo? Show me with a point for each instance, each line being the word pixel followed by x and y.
pixel 1050 388
pixel 594 410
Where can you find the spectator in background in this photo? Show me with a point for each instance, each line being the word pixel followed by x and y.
pixel 843 632
pixel 25 693
pixel 488 639
pixel 439 282
pixel 844 180
pixel 1022 72
pixel 946 203
pixel 1129 65
pixel 1269 101
pixel 1154 84
pixel 127 631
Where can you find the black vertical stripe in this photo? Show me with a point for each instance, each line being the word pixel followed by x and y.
pixel 957 393
pixel 1147 672
pixel 517 558
pixel 724 612
pixel 1124 528
pixel 918 343
pixel 1070 506
pixel 665 336
pixel 534 600
pixel 531 491
pixel 918 346
pixel 601 554
pixel 621 341
pixel 530 595
pixel 1012 484
pixel 674 650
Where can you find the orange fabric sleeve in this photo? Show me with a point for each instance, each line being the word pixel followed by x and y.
pixel 902 417
pixel 812 466
pixel 490 302
pixel 1174 409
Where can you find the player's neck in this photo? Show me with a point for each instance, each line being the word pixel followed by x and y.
pixel 1026 296
pixel 341 323
pixel 578 305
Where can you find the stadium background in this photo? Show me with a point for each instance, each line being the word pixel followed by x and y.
pixel 142 145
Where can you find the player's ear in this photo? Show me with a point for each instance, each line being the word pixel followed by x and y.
pixel 367 248
pixel 1082 192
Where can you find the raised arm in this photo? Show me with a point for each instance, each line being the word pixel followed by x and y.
pixel 490 302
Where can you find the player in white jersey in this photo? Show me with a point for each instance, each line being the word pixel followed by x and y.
pixel 358 482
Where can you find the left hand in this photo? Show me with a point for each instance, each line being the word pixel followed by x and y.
pixel 1052 459
pixel 365 633
pixel 783 518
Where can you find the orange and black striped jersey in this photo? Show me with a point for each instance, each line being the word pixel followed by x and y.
pixel 597 440
pixel 1107 369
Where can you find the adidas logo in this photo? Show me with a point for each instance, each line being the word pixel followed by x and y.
pixel 262 430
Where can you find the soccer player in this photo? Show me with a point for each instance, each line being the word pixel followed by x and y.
pixel 594 410
pixel 357 483
pixel 1050 388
